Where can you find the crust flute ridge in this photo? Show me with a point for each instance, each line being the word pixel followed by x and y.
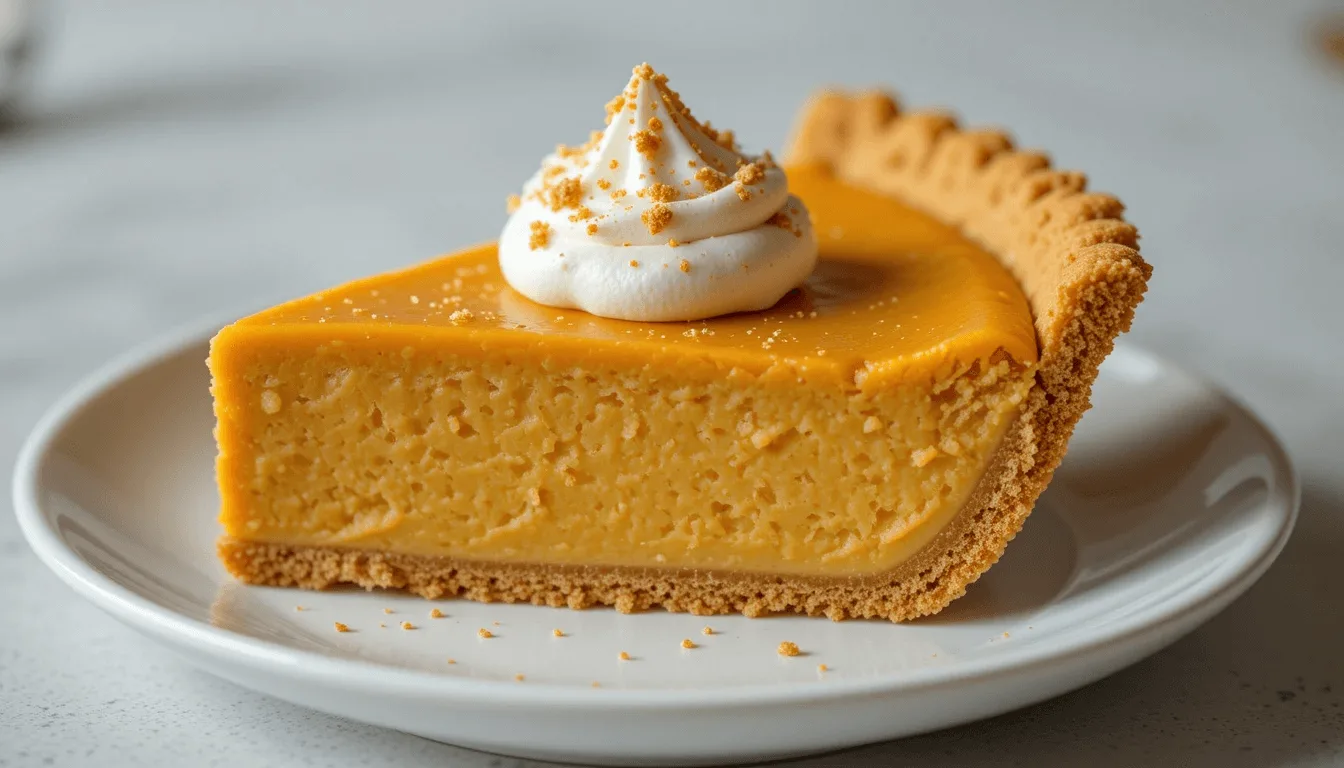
pixel 1076 259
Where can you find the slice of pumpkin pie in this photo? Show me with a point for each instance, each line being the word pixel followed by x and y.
pixel 689 377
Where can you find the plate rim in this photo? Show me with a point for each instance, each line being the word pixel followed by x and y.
pixel 171 627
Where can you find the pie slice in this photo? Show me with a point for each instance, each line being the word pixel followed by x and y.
pixel 864 448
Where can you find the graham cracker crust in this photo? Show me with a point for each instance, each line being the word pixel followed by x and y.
pixel 1077 261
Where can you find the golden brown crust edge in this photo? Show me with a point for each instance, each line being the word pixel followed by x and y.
pixel 1075 256
pixel 1077 261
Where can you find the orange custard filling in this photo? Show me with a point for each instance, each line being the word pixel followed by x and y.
pixel 434 411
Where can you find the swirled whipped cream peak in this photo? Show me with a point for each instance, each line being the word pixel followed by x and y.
pixel 658 217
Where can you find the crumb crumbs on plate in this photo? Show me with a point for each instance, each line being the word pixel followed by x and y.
pixel 484 633
pixel 436 614
pixel 341 627
pixel 788 648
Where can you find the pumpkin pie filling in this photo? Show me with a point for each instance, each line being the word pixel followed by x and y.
pixel 436 412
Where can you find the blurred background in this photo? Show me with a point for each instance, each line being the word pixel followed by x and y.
pixel 161 161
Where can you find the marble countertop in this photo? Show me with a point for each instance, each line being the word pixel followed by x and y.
pixel 178 159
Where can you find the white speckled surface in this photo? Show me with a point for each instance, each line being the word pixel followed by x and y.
pixel 186 158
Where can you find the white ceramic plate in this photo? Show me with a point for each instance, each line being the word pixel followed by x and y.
pixel 1172 502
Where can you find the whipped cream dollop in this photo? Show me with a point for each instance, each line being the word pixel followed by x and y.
pixel 659 217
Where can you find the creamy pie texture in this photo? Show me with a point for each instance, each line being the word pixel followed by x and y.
pixel 658 217
pixel 834 433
